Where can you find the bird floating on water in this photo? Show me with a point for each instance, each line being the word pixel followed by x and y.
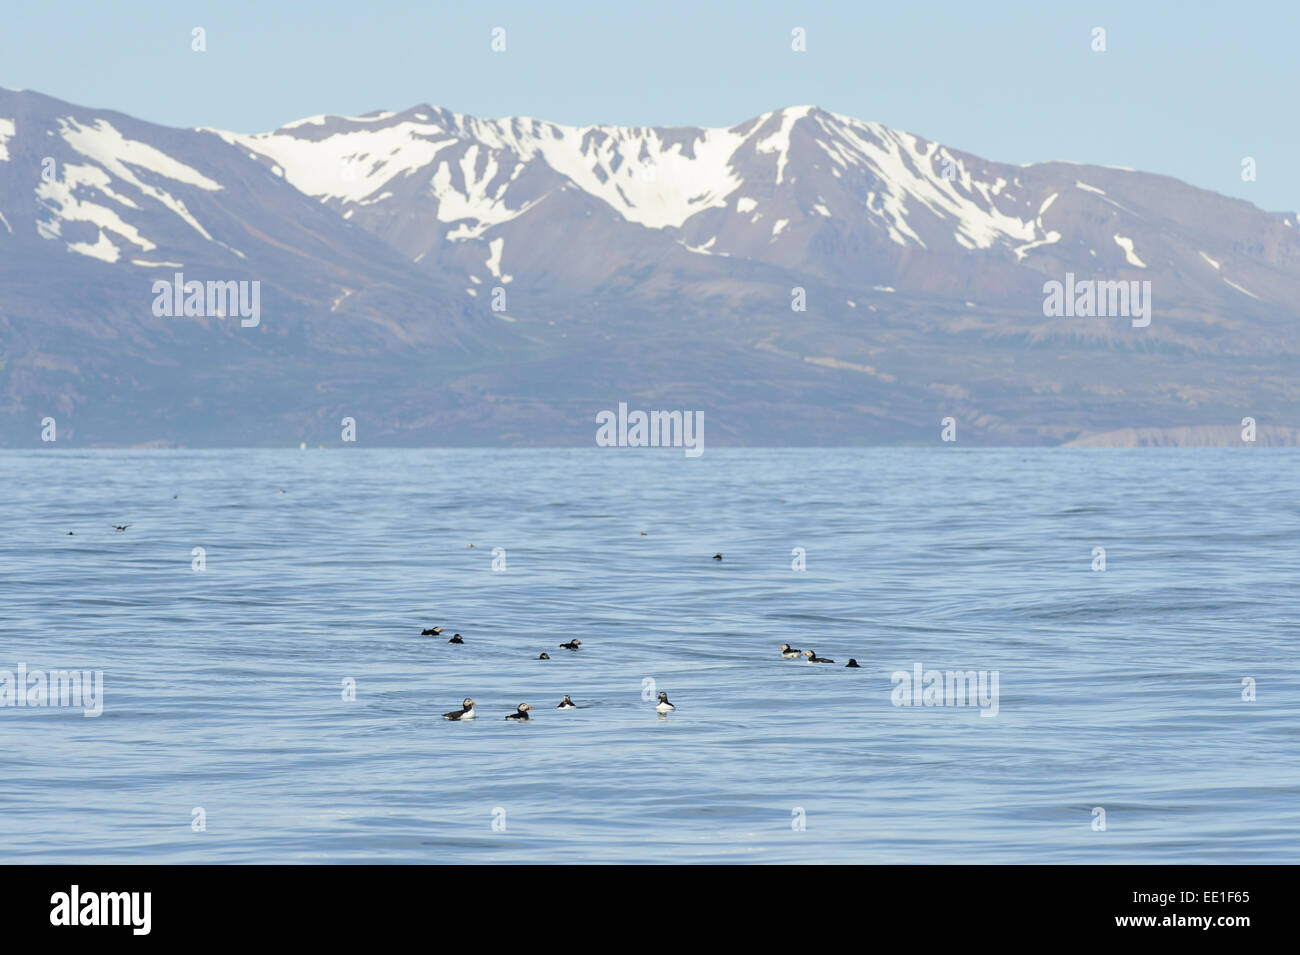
pixel 571 645
pixel 121 527
pixel 455 638
pixel 544 656
pixel 432 631
pixel 567 704
pixel 853 663
pixel 718 556
pixel 466 712
pixel 521 712
pixel 789 653
pixel 664 706
pixel 814 658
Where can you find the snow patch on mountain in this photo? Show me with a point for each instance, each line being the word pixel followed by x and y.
pixel 914 174
pixel 495 248
pixel 1242 290
pixel 1130 256
pixel 779 141
pixel 59 199
pixel 7 129
pixel 121 156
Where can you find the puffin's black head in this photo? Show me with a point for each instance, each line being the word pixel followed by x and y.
pixel 468 704
pixel 663 697
pixel 544 656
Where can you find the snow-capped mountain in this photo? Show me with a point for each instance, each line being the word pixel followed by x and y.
pixel 473 280
pixel 796 188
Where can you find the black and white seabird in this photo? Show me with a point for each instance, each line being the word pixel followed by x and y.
pixel 567 704
pixel 121 527
pixel 521 713
pixel 466 712
pixel 789 653
pixel 814 658
pixel 544 656
pixel 853 663
pixel 664 706
pixel 455 638
pixel 432 631
pixel 718 556
pixel 572 644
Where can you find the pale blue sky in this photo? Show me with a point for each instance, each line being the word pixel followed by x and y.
pixel 1186 89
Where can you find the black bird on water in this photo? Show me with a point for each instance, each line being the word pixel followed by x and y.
pixel 455 638
pixel 544 656
pixel 571 645
pixel 853 663
pixel 432 631
pixel 718 556
pixel 121 527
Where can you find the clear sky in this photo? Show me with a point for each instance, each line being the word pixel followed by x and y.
pixel 1187 89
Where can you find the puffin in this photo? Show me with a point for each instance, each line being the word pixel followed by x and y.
pixel 853 664
pixel 455 638
pixel 664 706
pixel 544 656
pixel 718 556
pixel 814 658
pixel 466 712
pixel 571 645
pixel 567 704
pixel 520 713
pixel 788 653
pixel 120 527
pixel 432 631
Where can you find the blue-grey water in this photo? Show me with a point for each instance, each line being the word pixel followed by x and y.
pixel 224 688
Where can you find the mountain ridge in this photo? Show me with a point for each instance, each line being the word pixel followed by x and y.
pixel 631 262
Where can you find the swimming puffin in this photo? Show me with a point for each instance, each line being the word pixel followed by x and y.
pixel 466 712
pixel 664 706
pixel 520 713
pixel 432 631
pixel 788 653
pixel 455 638
pixel 718 556
pixel 120 527
pixel 814 658
pixel 853 663
pixel 544 656
pixel 567 704
pixel 572 644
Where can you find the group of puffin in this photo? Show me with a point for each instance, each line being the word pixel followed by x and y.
pixel 466 711
pixel 790 653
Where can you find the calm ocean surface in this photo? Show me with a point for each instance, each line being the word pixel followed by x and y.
pixel 223 689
